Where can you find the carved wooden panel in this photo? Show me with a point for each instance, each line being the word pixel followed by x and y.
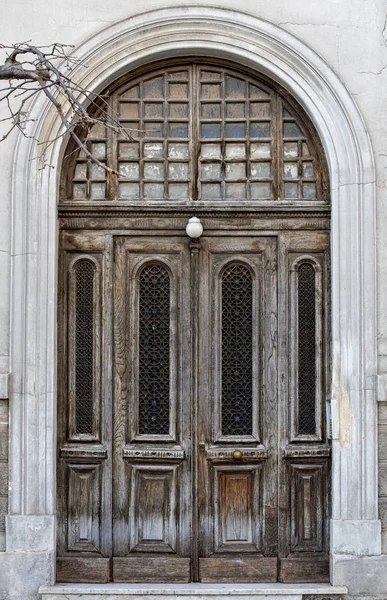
pixel 238 508
pixel 200 131
pixel 154 493
pixel 84 508
pixel 307 510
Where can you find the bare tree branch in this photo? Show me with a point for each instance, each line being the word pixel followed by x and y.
pixel 33 69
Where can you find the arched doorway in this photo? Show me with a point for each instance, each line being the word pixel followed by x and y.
pixel 192 442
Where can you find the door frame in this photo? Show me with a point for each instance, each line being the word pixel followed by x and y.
pixel 265 47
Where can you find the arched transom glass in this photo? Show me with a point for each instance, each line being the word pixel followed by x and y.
pixel 204 133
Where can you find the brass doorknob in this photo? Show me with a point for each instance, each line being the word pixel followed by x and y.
pixel 237 454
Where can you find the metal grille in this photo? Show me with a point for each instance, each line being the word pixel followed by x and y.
pixel 84 342
pixel 237 344
pixel 306 349
pixel 154 348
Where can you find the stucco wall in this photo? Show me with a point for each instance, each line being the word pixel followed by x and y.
pixel 351 36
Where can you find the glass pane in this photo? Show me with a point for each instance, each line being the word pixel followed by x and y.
pixel 154 129
pixel 235 151
pixel 306 301
pixel 153 110
pixel 178 171
pixel 153 150
pixel 98 191
pixel 211 170
pixel 235 191
pixel 258 130
pixel 292 130
pixel 211 151
pixel 235 130
pixel 84 346
pixel 97 172
pixel 133 92
pixel 235 88
pixel 211 191
pixel 128 110
pixel 211 111
pixel 154 88
pixel 178 191
pixel 261 190
pixel 178 150
pixel 291 190
pixel 237 351
pixel 308 170
pixel 178 75
pixel 305 149
pixel 210 130
pixel 290 150
pixel 259 110
pixel 260 151
pixel 153 350
pixel 129 190
pixel 235 110
pixel 178 90
pixel 130 170
pixel 235 170
pixel 80 191
pixel 129 150
pixel 210 75
pixel 210 91
pixel 291 170
pixel 154 170
pixel 256 92
pixel 260 170
pixel 98 131
pixel 177 110
pixel 153 190
pixel 309 190
pixel 80 171
pixel 178 130
pixel 99 151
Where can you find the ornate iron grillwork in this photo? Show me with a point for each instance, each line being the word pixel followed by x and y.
pixel 84 346
pixel 237 345
pixel 306 349
pixel 154 349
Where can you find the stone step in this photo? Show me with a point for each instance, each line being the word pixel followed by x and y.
pixel 122 591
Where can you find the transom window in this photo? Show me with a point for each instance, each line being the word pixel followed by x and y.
pixel 203 133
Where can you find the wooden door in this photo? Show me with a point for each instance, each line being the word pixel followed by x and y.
pixel 237 425
pixel 192 442
pixel 152 411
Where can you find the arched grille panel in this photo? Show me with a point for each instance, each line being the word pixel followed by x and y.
pixel 236 352
pixel 200 132
pixel 84 347
pixel 306 349
pixel 154 350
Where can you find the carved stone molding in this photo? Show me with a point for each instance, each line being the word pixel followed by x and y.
pixel 260 45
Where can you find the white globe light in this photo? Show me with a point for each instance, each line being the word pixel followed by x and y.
pixel 194 228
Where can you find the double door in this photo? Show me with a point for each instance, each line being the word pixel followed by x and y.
pixel 193 448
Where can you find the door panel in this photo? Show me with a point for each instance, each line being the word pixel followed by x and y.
pixel 151 442
pixel 237 409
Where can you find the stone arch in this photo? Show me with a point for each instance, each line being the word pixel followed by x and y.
pixel 260 45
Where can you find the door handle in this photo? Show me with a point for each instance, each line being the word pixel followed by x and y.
pixel 237 454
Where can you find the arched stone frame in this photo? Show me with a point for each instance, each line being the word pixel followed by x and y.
pixel 245 39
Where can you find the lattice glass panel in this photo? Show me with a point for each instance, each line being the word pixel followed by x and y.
pixel 235 136
pixel 84 346
pixel 154 350
pixel 306 349
pixel 237 347
pixel 201 132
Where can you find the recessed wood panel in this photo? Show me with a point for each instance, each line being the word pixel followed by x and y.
pixel 82 570
pixel 84 507
pixel 153 514
pixel 307 513
pixel 237 507
pixel 306 569
pixel 161 569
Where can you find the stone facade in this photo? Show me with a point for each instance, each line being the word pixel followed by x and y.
pixel 332 57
